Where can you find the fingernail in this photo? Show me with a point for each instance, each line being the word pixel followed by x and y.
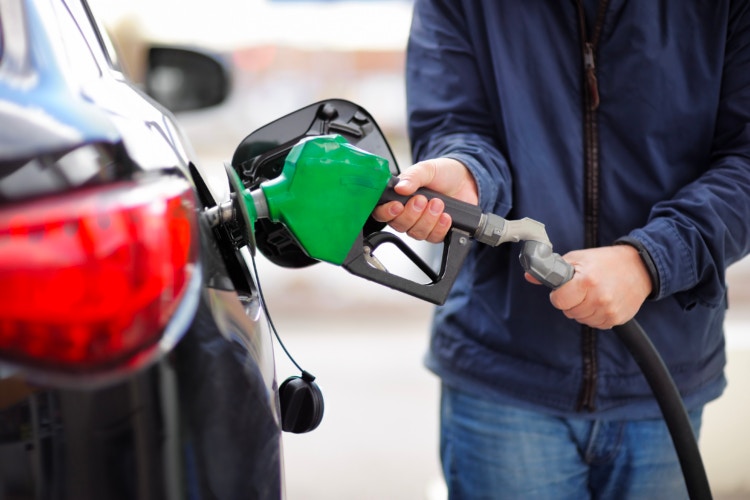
pixel 403 183
pixel 436 206
pixel 419 203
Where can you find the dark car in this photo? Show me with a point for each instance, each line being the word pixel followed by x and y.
pixel 135 358
pixel 136 354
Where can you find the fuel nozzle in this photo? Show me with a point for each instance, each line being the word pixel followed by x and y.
pixel 324 195
pixel 328 189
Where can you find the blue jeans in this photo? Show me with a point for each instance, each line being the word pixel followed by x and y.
pixel 495 451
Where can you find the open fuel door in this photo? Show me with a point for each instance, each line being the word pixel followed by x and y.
pixel 261 155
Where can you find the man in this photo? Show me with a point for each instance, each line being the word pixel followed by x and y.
pixel 623 126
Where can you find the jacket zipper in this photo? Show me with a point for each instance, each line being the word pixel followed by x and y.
pixel 589 44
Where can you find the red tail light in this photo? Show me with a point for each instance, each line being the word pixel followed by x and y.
pixel 91 278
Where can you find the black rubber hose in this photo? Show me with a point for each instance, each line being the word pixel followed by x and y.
pixel 672 407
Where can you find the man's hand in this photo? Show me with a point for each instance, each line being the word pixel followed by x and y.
pixel 420 219
pixel 609 286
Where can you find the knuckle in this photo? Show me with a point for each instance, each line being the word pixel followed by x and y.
pixel 437 235
pixel 589 281
pixel 610 312
pixel 380 215
pixel 569 314
pixel 419 231
pixel 417 234
pixel 400 226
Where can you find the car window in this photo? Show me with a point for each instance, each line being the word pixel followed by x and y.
pixel 82 58
pixel 2 38
pixel 105 42
pixel 13 35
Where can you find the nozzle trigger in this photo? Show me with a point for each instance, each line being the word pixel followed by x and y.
pixel 455 249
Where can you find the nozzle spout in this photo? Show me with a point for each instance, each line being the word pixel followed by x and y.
pixel 219 214
pixel 260 202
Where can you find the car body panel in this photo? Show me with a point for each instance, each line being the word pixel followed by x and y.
pixel 200 417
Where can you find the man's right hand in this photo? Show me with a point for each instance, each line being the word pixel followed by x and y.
pixel 420 219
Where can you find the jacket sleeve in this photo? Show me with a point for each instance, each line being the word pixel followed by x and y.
pixel 705 227
pixel 448 110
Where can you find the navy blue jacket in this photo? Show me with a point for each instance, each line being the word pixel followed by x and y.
pixel 499 86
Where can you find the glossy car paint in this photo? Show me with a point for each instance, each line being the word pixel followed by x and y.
pixel 198 415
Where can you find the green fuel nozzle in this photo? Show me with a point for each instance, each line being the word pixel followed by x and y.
pixel 325 194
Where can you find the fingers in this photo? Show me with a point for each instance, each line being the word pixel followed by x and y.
pixel 606 289
pixel 419 218
pixel 388 211
pixel 423 220
pixel 584 303
pixel 573 303
pixel 409 181
pixel 531 279
pixel 596 313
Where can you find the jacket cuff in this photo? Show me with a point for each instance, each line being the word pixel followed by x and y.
pixel 653 274
pixel 488 189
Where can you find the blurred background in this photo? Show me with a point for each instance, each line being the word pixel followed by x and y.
pixel 284 55
pixel 363 342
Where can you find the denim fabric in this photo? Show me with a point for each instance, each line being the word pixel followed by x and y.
pixel 495 451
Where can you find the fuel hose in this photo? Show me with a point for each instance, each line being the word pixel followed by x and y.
pixel 550 269
pixel 670 402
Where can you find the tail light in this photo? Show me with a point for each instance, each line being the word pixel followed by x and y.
pixel 91 278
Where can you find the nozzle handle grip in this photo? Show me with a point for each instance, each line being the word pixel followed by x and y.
pixel 465 216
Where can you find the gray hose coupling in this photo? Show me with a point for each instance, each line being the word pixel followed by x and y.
pixel 548 267
pixel 493 230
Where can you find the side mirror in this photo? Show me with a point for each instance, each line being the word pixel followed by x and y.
pixel 185 79
pixel 261 155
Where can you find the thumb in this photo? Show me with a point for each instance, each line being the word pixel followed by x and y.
pixel 418 175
